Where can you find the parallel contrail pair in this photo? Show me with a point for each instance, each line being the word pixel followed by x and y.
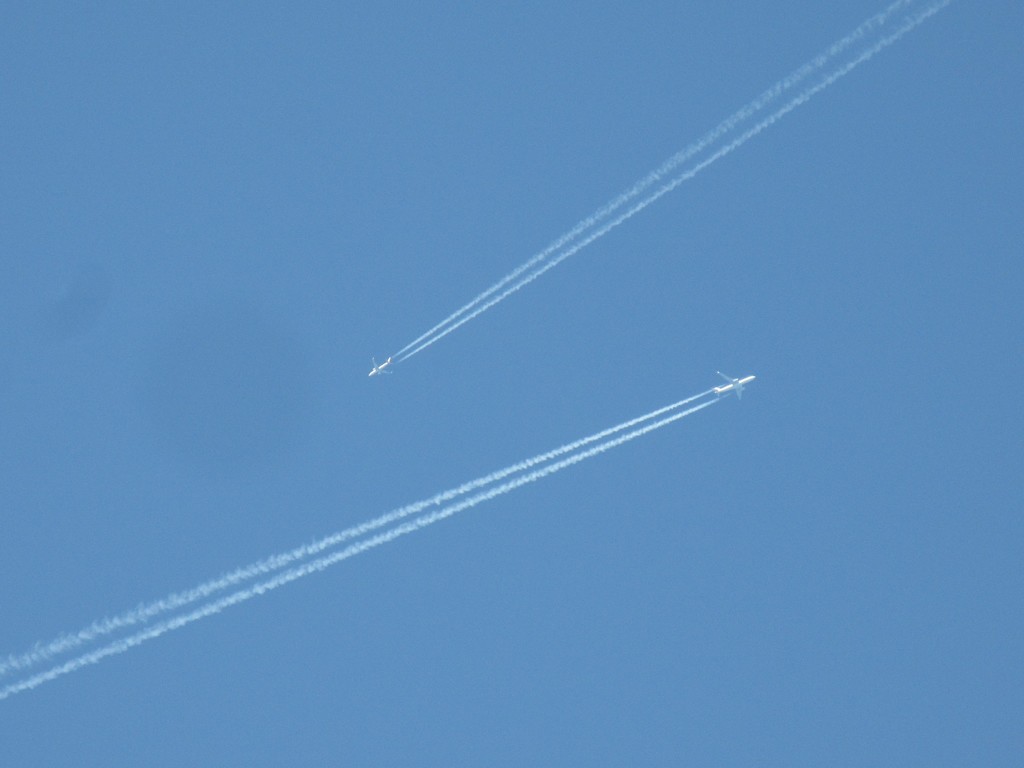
pixel 99 629
pixel 546 464
pixel 543 261
pixel 281 569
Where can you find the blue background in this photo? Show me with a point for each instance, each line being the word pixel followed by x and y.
pixel 213 215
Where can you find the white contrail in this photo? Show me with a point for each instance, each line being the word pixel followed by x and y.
pixel 319 564
pixel 461 317
pixel 67 643
pixel 144 613
pixel 673 162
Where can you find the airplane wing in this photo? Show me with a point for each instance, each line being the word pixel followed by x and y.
pixel 727 378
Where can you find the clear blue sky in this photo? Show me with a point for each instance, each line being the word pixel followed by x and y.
pixel 211 216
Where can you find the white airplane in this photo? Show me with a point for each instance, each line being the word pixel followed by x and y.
pixel 382 368
pixel 734 385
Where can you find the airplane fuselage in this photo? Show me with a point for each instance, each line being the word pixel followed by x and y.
pixel 380 368
pixel 736 385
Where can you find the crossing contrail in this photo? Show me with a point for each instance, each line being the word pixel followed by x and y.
pixel 173 602
pixel 216 606
pixel 530 271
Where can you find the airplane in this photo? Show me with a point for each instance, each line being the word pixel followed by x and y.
pixel 734 385
pixel 380 368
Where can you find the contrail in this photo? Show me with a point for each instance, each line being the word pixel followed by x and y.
pixel 124 644
pixel 99 629
pixel 481 304
pixel 67 643
pixel 673 162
